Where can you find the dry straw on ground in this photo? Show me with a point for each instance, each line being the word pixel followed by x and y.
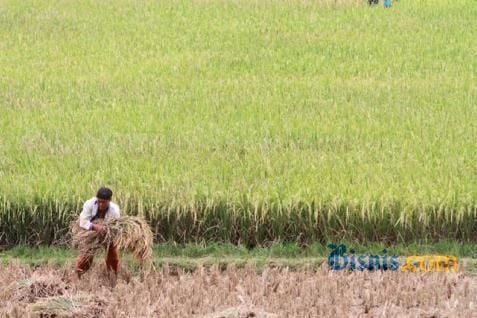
pixel 237 293
pixel 127 233
pixel 79 305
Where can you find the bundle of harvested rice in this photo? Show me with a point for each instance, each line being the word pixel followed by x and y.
pixel 78 305
pixel 128 233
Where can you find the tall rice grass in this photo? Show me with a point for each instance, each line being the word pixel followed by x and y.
pixel 240 121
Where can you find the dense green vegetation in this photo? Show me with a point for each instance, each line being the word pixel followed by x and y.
pixel 191 255
pixel 241 121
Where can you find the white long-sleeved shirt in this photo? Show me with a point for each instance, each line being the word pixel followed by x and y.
pixel 90 209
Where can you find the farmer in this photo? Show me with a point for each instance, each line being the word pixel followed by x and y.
pixel 98 207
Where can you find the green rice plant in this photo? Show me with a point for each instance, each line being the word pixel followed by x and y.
pixel 244 121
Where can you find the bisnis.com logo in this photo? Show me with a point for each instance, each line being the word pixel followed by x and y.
pixel 339 259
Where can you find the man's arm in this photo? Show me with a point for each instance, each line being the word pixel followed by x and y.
pixel 86 215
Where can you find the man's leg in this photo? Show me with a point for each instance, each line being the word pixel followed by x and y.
pixel 83 263
pixel 112 259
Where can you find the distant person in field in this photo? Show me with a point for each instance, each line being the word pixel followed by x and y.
pixel 97 208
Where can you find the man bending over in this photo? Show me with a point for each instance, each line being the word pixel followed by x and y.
pixel 97 208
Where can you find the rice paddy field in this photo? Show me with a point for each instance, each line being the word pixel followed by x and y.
pixel 248 134
pixel 241 121
pixel 235 293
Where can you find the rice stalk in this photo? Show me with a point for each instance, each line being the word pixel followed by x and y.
pixel 128 233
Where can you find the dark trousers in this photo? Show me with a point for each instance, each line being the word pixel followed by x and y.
pixel 84 262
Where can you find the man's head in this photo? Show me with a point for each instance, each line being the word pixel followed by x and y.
pixel 104 197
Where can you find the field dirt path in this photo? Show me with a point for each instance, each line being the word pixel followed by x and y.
pixel 48 291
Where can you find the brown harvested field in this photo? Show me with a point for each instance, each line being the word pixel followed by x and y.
pixel 208 292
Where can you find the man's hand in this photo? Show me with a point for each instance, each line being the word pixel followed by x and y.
pixel 98 228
